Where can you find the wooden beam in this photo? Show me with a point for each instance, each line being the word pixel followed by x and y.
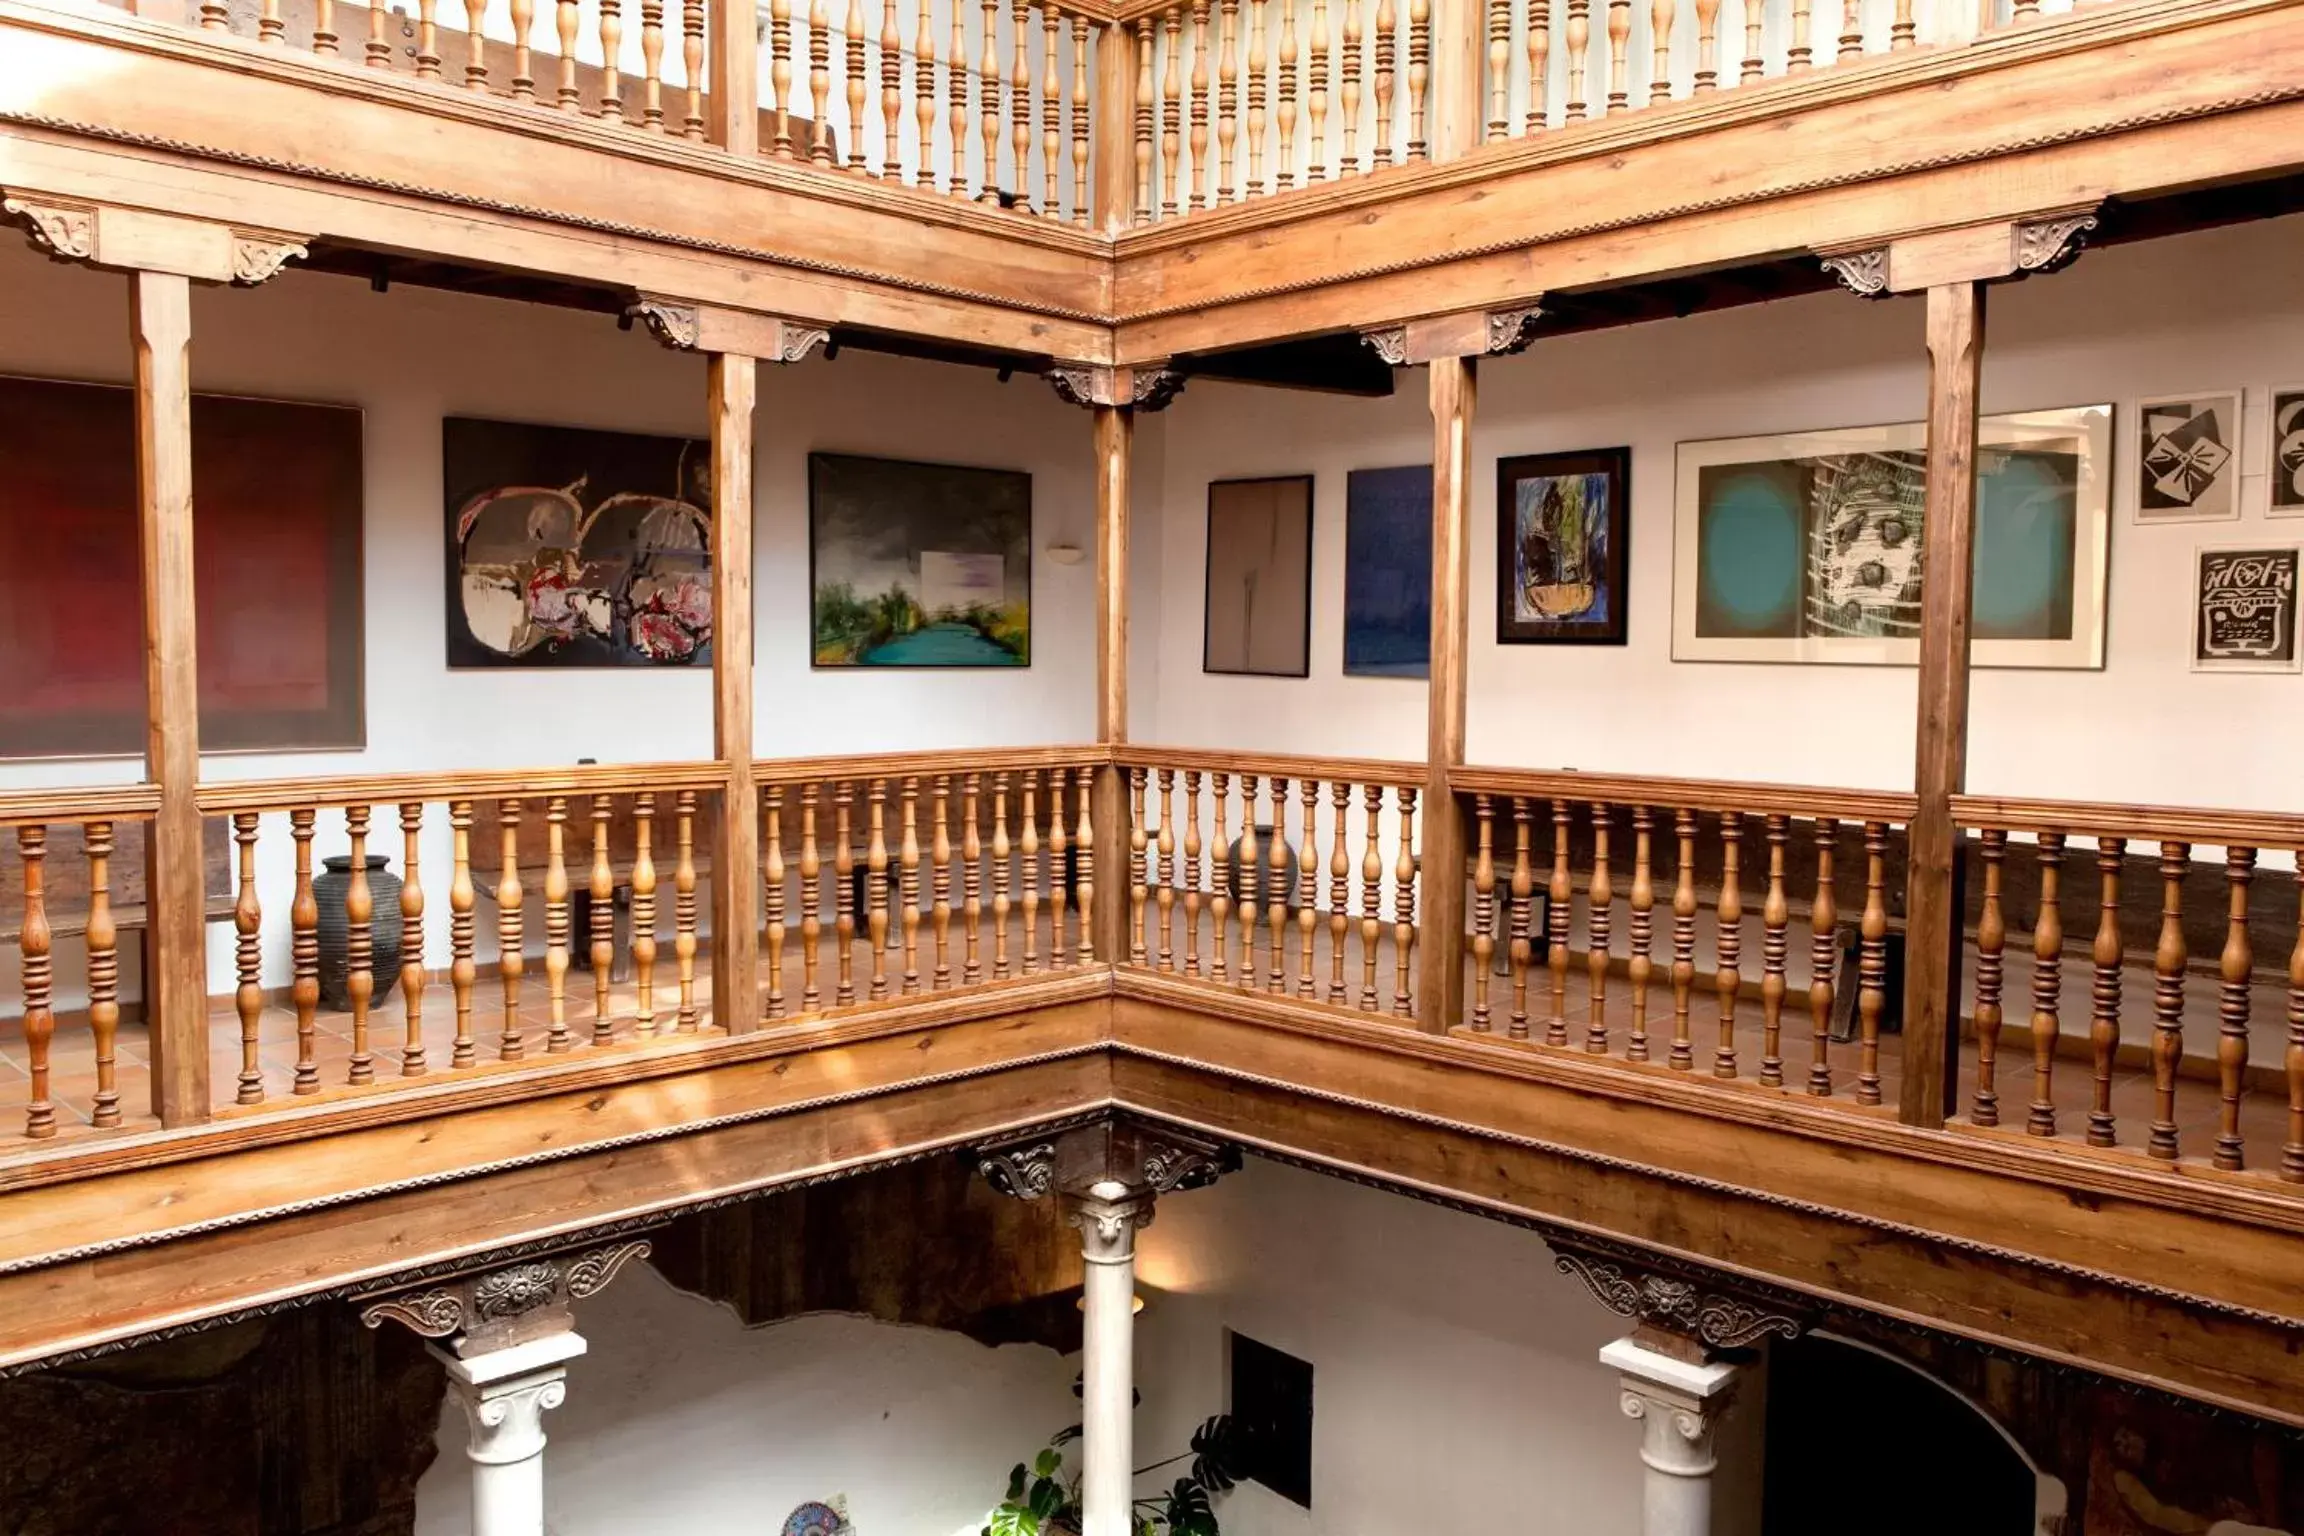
pixel 1933 900
pixel 1115 457
pixel 1440 897
pixel 176 990
pixel 1114 203
pixel 734 380
pixel 735 77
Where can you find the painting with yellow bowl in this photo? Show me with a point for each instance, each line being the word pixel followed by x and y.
pixel 1560 547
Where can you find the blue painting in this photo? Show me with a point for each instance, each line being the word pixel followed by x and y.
pixel 1388 572
pixel 1562 530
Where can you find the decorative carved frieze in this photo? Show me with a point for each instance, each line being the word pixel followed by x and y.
pixel 258 257
pixel 491 1309
pixel 1646 1293
pixel 1146 387
pixel 1115 1158
pixel 2052 244
pixel 66 231
pixel 1863 273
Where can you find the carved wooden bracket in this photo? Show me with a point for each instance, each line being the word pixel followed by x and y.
pixel 1969 253
pixel 1146 387
pixel 1468 333
pixel 687 326
pixel 1863 273
pixel 1134 1157
pixel 495 1308
pixel 1690 1304
pixel 130 239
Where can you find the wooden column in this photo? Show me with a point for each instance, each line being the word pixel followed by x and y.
pixel 734 381
pixel 1440 879
pixel 735 76
pixel 1115 128
pixel 176 990
pixel 1933 900
pixel 1459 49
pixel 1115 447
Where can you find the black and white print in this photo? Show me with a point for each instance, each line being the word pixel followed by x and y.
pixel 2244 610
pixel 2287 456
pixel 2188 458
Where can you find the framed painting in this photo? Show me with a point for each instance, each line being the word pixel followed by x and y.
pixel 2286 453
pixel 918 565
pixel 1388 572
pixel 1808 546
pixel 276 572
pixel 570 547
pixel 2244 610
pixel 1562 542
pixel 1257 610
pixel 2188 457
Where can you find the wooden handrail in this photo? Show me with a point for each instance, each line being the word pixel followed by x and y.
pixel 1358 770
pixel 112 802
pixel 889 765
pixel 488 783
pixel 1808 801
pixel 2143 823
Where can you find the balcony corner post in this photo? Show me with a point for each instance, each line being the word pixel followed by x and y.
pixel 1115 444
pixel 735 77
pixel 1440 869
pixel 1459 34
pixel 1114 204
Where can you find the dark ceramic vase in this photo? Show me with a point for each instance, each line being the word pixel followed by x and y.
pixel 328 889
pixel 1272 885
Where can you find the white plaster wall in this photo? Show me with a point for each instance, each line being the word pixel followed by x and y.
pixel 1456 1384
pixel 2218 309
pixel 682 1422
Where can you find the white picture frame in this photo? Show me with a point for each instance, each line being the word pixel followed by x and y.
pixel 2252 594
pixel 2186 456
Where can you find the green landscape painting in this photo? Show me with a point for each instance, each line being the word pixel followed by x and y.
pixel 918 565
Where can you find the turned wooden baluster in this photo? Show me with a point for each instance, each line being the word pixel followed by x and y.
pixel 1000 876
pixel 1499 70
pixel 1228 100
pixel 1028 854
pixel 2292 1060
pixel 304 928
pixel 1906 31
pixel 1419 75
pixel 1348 92
pixel 988 102
pixel 567 20
pixel 1084 856
pixel 1661 16
pixel 1522 953
pixel 611 52
pixel 378 52
pixel 1754 14
pixel 692 62
pixel 820 85
pixel 1079 121
pixel 2235 966
pixel 772 877
pixel 1707 46
pixel 34 939
pixel 603 920
pixel 1165 847
pixel 876 885
pixel 1682 1057
pixel 1058 844
pixel 908 881
pixel 1276 890
pixel 558 926
pixel 1559 904
pixel 1728 941
pixel 1371 894
pixel 1823 960
pixel 1991 940
pixel 1203 173
pixel 1316 94
pixel 248 958
pixel 1051 116
pixel 852 80
pixel 1619 67
pixel 1284 117
pixel 1220 881
pixel 843 895
pixel 1404 908
pixel 2047 986
pixel 1248 869
pixel 214 13
pixel 1642 901
pixel 1578 37
pixel 270 29
pixel 1872 962
pixel 2104 993
pixel 511 938
pixel 924 107
pixel 1385 71
pixel 1539 65
pixel 463 897
pixel 971 881
pixel 684 908
pixel 1143 120
pixel 1140 938
pixel 1797 53
pixel 1020 99
pixel 1339 887
pixel 644 912
pixel 1308 887
pixel 1171 110
pixel 102 940
pixel 359 944
pixel 1259 81
pixel 2168 961
pixel 1191 872
pixel 652 66
pixel 1600 899
pixel 891 94
pixel 811 902
pixel 476 43
pixel 940 859
pixel 412 1058
pixel 1852 29
pixel 427 37
pixel 1775 927
pixel 1483 909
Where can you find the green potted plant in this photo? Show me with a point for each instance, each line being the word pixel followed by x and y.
pixel 1044 1493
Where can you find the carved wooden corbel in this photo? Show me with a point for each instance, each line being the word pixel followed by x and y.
pixel 1389 343
pixel 1692 1305
pixel 1468 333
pixel 258 255
pixel 134 240
pixel 1119 1155
pixel 1990 251
pixel 1863 273
pixel 687 326
pixel 492 1309
pixel 2054 243
pixel 1143 387
pixel 65 231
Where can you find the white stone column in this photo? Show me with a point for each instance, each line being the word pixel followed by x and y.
pixel 1678 1405
pixel 1108 1216
pixel 505 1393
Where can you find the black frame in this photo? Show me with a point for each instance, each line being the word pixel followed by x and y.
pixel 1207 574
pixel 1616 463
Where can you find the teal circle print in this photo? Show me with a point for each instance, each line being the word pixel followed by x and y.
pixel 1748 560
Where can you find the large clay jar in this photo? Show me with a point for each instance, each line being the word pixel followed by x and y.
pixel 328 890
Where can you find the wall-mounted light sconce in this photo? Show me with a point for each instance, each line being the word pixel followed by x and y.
pixel 1065 554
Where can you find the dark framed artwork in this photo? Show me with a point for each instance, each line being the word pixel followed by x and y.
pixel 2287 451
pixel 918 565
pixel 570 547
pixel 1257 611
pixel 2244 610
pixel 276 572
pixel 1388 572
pixel 1563 526
pixel 2188 457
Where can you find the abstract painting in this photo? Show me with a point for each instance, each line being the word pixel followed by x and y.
pixel 919 565
pixel 569 547
pixel 276 572
pixel 1257 617
pixel 1562 526
pixel 2287 451
pixel 2188 458
pixel 2245 610
pixel 1388 572
pixel 1810 546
